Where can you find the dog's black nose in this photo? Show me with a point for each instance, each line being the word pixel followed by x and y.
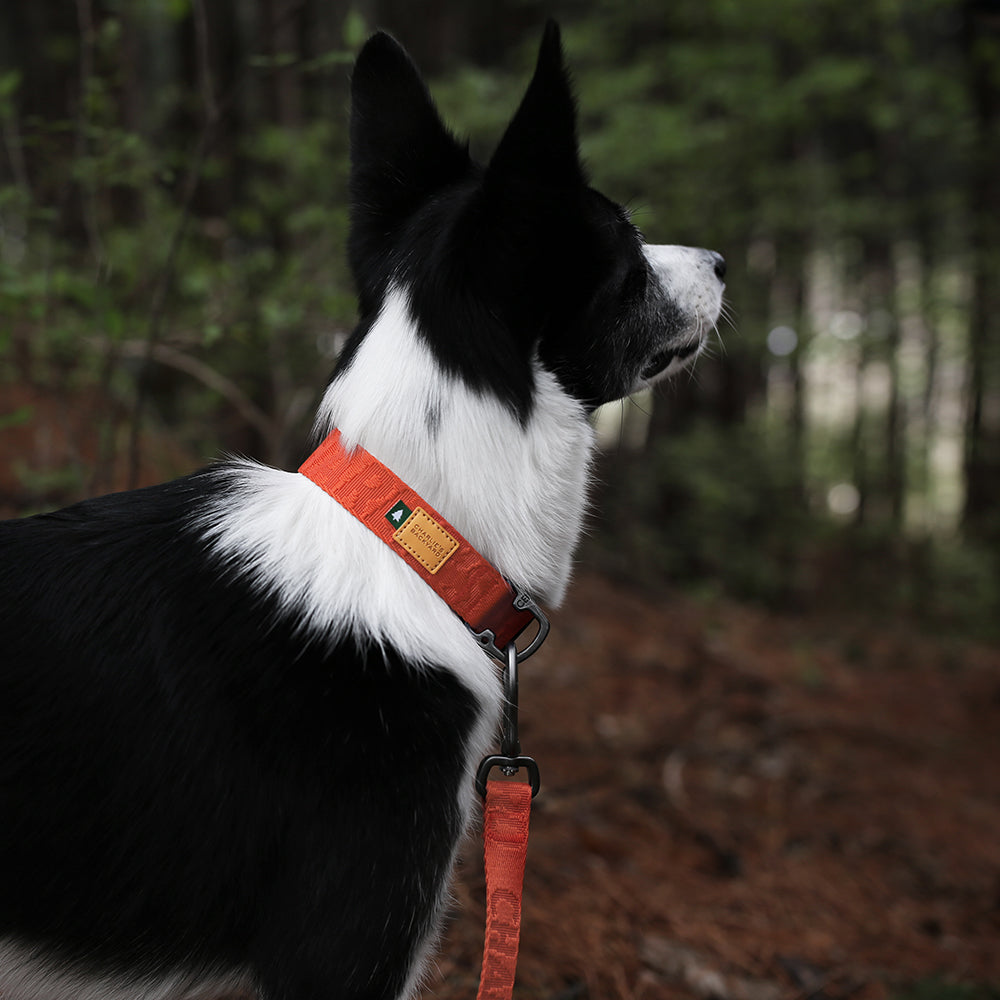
pixel 718 265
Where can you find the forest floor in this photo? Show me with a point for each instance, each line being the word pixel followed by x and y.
pixel 741 806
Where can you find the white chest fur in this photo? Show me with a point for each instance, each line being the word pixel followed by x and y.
pixel 516 491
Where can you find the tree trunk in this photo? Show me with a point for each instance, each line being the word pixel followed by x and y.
pixel 982 458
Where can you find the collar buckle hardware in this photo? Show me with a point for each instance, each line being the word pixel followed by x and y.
pixel 523 602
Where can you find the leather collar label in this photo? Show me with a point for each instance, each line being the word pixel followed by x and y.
pixel 430 544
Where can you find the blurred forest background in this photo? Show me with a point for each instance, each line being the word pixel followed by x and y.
pixel 771 772
pixel 172 284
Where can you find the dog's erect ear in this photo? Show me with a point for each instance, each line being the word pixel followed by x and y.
pixel 540 142
pixel 400 150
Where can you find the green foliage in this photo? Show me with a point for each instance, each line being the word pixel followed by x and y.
pixel 943 989
pixel 9 83
pixel 721 121
pixel 16 418
pixel 113 236
pixel 41 484
pixel 774 116
pixel 714 506
pixel 721 509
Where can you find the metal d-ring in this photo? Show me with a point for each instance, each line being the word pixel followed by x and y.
pixel 523 602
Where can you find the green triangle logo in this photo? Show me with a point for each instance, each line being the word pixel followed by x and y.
pixel 397 514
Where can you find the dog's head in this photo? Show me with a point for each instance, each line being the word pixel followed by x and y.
pixel 519 259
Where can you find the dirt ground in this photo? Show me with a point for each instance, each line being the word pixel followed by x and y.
pixel 745 807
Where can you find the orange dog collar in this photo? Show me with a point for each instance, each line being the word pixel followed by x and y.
pixel 494 611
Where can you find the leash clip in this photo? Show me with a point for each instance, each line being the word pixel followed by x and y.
pixel 488 641
pixel 510 760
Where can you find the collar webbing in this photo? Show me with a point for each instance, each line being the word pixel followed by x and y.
pixel 424 540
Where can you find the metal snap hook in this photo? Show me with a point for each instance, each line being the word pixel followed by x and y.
pixel 509 760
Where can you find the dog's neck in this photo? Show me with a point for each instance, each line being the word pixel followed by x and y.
pixel 516 490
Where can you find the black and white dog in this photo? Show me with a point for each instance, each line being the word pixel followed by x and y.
pixel 237 733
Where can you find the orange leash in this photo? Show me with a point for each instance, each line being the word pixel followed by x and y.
pixel 505 832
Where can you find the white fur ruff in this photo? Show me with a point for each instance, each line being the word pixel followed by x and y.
pixel 516 492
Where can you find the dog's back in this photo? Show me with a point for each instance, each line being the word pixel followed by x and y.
pixel 181 770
